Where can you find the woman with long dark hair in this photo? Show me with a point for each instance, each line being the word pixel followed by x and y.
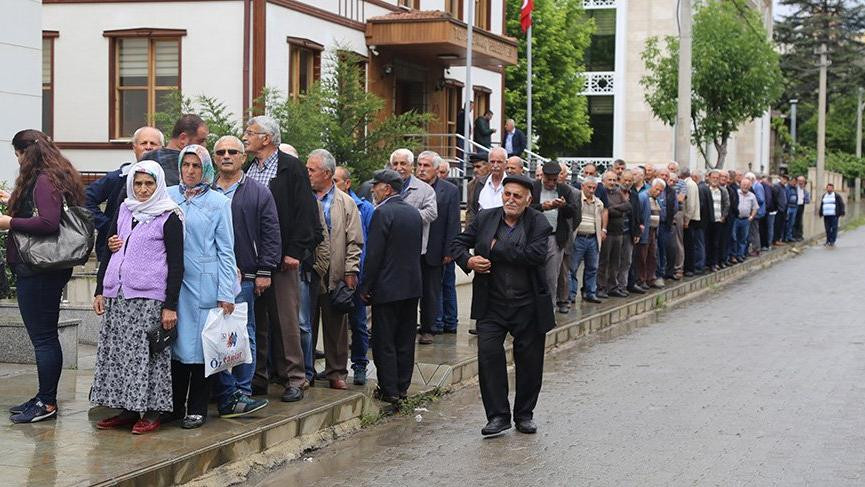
pixel 45 180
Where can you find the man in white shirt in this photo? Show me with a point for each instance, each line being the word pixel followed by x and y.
pixel 489 194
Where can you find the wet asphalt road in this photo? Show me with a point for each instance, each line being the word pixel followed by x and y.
pixel 761 382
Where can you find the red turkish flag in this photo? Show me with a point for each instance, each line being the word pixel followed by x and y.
pixel 526 14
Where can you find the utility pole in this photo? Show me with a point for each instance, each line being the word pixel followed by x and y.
pixel 467 118
pixel 821 125
pixel 793 104
pixel 683 116
pixel 858 184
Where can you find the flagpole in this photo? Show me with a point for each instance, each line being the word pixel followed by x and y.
pixel 469 92
pixel 529 95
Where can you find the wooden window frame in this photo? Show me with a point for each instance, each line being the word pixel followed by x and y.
pixel 412 4
pixel 483 19
pixel 295 45
pixel 152 35
pixel 50 36
pixel 481 99
pixel 455 8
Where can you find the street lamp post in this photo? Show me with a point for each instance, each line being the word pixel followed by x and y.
pixel 858 181
pixel 821 124
pixel 793 104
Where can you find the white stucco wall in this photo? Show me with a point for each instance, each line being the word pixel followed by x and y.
pixel 488 79
pixel 21 92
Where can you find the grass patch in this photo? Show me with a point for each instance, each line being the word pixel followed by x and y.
pixel 405 408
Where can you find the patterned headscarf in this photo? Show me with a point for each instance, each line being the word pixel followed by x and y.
pixel 207 170
pixel 158 203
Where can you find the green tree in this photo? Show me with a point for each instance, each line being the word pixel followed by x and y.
pixel 736 74
pixel 837 23
pixel 339 115
pixel 840 125
pixel 561 34
pixel 220 120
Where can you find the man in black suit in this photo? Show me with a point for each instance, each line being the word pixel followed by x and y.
pixel 509 295
pixel 515 140
pixel 558 203
pixel 442 230
pixel 392 284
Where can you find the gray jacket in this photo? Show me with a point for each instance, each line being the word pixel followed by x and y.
pixel 423 197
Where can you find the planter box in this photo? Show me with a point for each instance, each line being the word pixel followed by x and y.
pixel 15 346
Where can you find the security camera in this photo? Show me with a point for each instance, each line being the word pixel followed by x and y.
pixel 373 50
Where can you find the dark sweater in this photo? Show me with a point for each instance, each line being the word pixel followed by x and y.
pixel 172 231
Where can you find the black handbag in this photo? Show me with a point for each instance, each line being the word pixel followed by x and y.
pixel 69 247
pixel 341 298
pixel 159 338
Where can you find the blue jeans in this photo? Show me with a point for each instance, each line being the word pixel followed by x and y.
pixel 39 303
pixel 741 227
pixel 770 229
pixel 586 251
pixel 830 223
pixel 240 377
pixel 791 222
pixel 447 314
pixel 308 298
pixel 359 334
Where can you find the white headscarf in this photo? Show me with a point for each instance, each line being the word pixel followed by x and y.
pixel 158 203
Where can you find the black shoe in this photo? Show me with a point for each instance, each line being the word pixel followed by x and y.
pixel 592 299
pixel 473 331
pixel 526 426
pixel 320 376
pixel 636 290
pixel 496 426
pixel 564 309
pixel 21 407
pixel 360 376
pixel 193 421
pixel 292 394
pixel 450 331
pixel 377 394
pixel 619 294
pixel 602 295
pixel 318 354
pixel 689 274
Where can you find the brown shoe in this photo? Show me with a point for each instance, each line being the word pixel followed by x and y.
pixel 338 384
pixel 425 339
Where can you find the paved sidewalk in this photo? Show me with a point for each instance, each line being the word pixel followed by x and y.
pixel 70 451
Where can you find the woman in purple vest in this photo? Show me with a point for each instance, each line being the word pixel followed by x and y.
pixel 137 288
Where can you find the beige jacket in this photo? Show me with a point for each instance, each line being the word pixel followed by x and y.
pixel 599 214
pixel 346 238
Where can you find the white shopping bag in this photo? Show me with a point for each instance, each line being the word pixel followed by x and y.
pixel 225 340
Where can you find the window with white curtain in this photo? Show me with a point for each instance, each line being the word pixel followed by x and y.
pixel 147 71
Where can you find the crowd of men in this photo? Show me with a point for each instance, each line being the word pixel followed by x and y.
pixel 315 251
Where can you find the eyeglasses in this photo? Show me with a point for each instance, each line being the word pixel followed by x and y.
pixel 221 152
pixel 250 133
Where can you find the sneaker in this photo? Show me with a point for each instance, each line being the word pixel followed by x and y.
pixel 241 405
pixel 360 377
pixel 35 412
pixel 21 407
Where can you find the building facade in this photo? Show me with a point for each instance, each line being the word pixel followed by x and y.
pixel 21 86
pixel 623 124
pixel 115 62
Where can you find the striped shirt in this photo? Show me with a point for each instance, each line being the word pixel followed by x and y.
pixel 716 202
pixel 829 204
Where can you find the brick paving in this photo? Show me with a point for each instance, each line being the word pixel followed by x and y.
pixel 759 383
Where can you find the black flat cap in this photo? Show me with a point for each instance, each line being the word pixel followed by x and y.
pixel 552 168
pixel 389 177
pixel 519 179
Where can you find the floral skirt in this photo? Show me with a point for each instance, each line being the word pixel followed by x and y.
pixel 127 375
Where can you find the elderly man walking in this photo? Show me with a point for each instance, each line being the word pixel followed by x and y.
pixel 414 191
pixel 257 246
pixel 277 309
pixel 442 230
pixel 558 203
pixel 488 192
pixel 831 209
pixel 346 243
pixel 392 284
pixel 509 295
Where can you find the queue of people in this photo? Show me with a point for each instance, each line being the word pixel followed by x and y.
pixel 183 231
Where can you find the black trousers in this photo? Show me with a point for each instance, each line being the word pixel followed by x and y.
pixel 798 232
pixel 780 224
pixel 724 245
pixel 501 319
pixel 764 231
pixel 191 390
pixel 714 234
pixel 431 276
pixel 393 332
pixel 689 243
